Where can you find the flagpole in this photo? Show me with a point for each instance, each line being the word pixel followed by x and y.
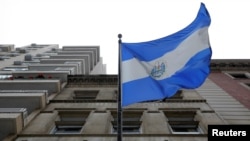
pixel 119 106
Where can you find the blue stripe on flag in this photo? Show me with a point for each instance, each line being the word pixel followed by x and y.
pixel 144 90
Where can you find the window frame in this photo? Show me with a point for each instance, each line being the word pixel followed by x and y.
pixel 70 119
pixel 131 122
pixel 232 74
pixel 85 94
pixel 179 119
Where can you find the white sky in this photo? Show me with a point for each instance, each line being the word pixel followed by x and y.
pixel 98 22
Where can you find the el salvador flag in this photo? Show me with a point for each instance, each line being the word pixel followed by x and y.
pixel 157 69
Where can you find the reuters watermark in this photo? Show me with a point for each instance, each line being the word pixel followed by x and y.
pixel 240 132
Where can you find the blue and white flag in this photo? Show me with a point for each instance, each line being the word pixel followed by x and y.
pixel 157 69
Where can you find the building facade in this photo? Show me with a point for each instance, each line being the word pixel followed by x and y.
pixel 32 75
pixel 79 102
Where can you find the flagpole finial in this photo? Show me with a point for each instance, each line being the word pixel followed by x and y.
pixel 119 36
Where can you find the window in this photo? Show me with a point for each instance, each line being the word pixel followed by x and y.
pixel 70 122
pixel 239 75
pixel 182 122
pixel 85 94
pixel 15 69
pixel 5 76
pixel 246 85
pixel 131 122
pixel 177 95
pixel 67 129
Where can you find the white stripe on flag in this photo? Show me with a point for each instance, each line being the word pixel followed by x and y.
pixel 195 43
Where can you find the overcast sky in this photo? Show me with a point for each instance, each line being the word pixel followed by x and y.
pixel 98 22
